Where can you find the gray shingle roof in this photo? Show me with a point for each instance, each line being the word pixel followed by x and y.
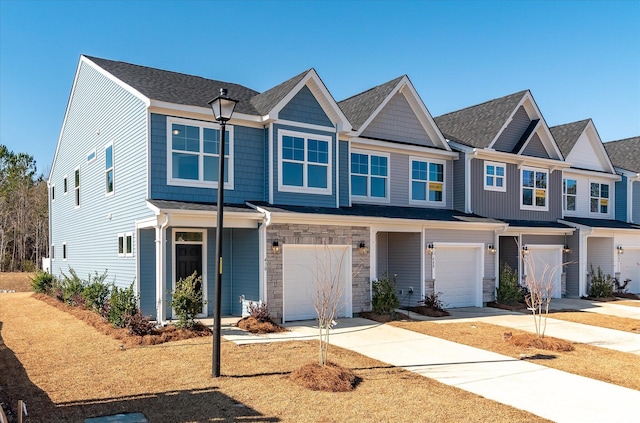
pixel 625 153
pixel 477 126
pixel 266 101
pixel 177 88
pixel 566 135
pixel 359 107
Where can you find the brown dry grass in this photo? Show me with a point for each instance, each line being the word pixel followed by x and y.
pixel 597 363
pixel 596 319
pixel 67 371
pixel 330 378
pixel 631 303
pixel 16 281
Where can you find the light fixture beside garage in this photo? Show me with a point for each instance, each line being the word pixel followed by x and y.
pixel 525 250
pixel 431 248
pixel 491 248
pixel 566 249
pixel 619 249
pixel 363 248
pixel 275 246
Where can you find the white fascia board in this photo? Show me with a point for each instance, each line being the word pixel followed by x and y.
pixel 463 148
pixel 422 113
pixel 498 156
pixel 582 228
pixel 525 230
pixel 207 213
pixel 391 146
pixel 322 94
pixel 598 145
pixel 202 113
pixel 592 174
pixel 632 176
pixel 149 222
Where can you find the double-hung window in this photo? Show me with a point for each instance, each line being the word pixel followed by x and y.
pixel 305 163
pixel 427 181
pixel 108 171
pixel 534 192
pixel 495 176
pixel 569 192
pixel 599 198
pixel 194 153
pixel 369 175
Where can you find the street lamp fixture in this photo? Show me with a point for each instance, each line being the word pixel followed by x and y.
pixel 222 107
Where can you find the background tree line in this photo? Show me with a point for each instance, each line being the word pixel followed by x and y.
pixel 24 213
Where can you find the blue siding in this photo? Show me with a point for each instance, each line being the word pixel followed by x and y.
pixel 91 231
pixel 244 267
pixel 147 277
pixel 621 199
pixel 226 300
pixel 635 202
pixel 304 108
pixel 248 167
pixel 344 173
pixel 303 199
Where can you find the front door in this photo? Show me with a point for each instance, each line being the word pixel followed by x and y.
pixel 188 260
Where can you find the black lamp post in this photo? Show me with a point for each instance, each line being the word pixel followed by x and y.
pixel 222 107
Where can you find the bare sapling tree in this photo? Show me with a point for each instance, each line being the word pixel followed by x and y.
pixel 329 285
pixel 539 282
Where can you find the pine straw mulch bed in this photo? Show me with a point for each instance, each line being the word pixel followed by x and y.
pixel 384 317
pixel 16 281
pixel 585 360
pixel 157 336
pixel 608 321
pixel 253 325
pixel 67 371
pixel 331 377
pixel 629 303
pixel 628 295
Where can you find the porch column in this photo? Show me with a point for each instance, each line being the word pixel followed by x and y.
pixel 161 265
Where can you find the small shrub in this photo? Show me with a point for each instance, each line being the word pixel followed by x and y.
pixel 96 292
pixel 72 287
pixel 259 311
pixel 139 325
pixel 601 285
pixel 28 266
pixel 42 282
pixel 123 303
pixel 509 292
pixel 385 300
pixel 433 301
pixel 187 300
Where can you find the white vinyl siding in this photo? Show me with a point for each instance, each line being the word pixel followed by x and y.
pixel 193 152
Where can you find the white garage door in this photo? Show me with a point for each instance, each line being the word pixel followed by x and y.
pixel 458 275
pixel 303 267
pixel 630 269
pixel 546 261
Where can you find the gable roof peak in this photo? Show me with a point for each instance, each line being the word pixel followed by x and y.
pixel 566 135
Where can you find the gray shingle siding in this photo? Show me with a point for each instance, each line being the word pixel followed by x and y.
pixel 506 205
pixel 509 253
pixel 304 108
pixel 512 133
pixel 91 231
pixel 535 148
pixel 248 167
pixel 398 122
pixel 404 251
pixel 572 267
pixel 343 173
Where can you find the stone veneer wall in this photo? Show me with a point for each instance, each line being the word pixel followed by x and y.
pixel 488 290
pixel 310 234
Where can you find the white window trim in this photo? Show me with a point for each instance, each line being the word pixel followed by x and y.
pixel 64 251
pixel 305 189
pixel 126 236
pixel 494 187
pixel 609 202
pixel 204 261
pixel 121 237
pixel 442 203
pixel 112 168
pixel 89 158
pixel 369 197
pixel 200 183
pixel 533 206
pixel 77 202
pixel 565 196
pixel 67 184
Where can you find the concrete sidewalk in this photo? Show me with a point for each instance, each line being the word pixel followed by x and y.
pixel 611 308
pixel 549 393
pixel 574 332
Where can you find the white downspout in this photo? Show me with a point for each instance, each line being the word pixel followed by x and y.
pixel 161 267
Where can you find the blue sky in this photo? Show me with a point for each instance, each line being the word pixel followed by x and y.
pixel 580 59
